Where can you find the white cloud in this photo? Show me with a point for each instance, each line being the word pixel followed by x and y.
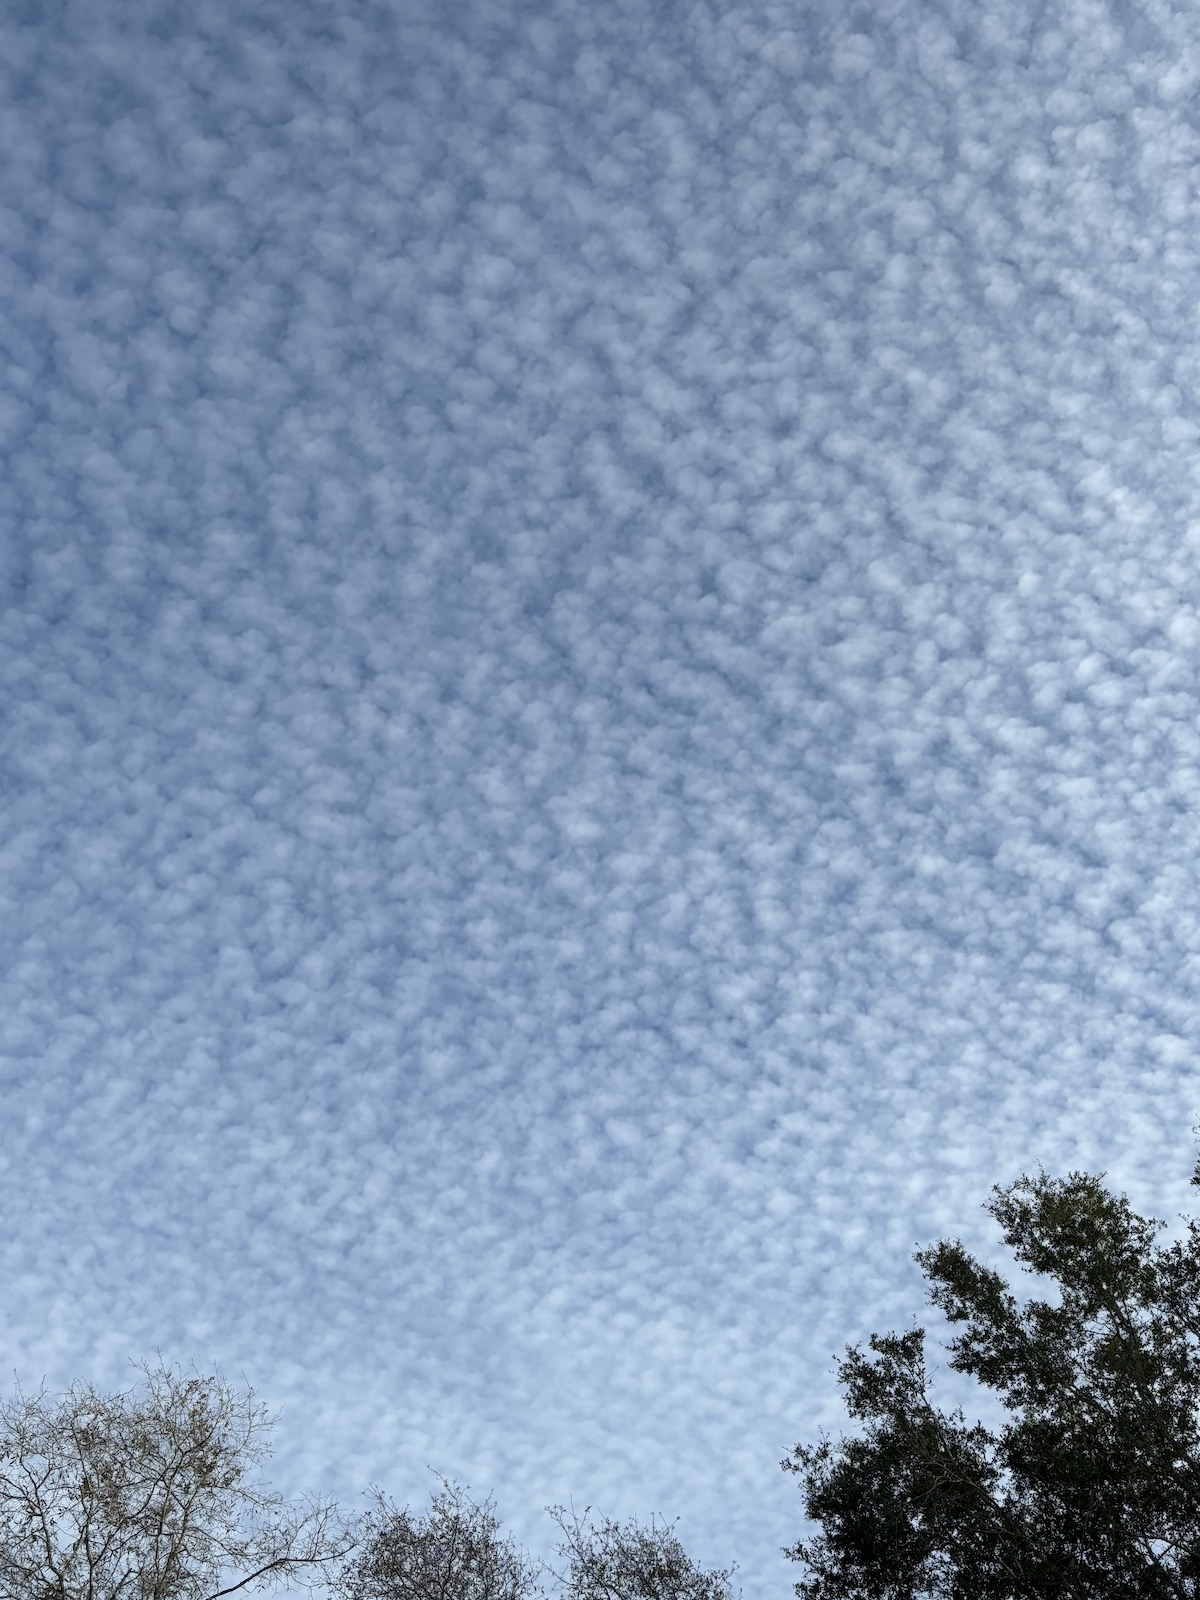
pixel 599 666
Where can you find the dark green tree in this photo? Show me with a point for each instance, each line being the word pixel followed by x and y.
pixel 1089 1489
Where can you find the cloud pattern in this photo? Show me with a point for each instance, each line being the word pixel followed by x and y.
pixel 601 610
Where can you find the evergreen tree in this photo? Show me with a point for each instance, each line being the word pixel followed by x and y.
pixel 1090 1488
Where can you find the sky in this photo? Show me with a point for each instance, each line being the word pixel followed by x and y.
pixel 598 670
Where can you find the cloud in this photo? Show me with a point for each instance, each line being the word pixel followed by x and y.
pixel 599 659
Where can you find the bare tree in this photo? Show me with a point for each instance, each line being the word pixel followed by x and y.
pixel 152 1493
pixel 626 1561
pixel 454 1552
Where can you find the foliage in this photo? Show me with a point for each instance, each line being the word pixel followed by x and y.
pixel 148 1494
pixel 1090 1489
pixel 614 1561
pixel 454 1552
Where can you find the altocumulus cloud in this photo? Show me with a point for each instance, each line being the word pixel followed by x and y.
pixel 599 660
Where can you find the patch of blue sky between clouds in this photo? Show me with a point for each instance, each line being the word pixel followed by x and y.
pixel 599 654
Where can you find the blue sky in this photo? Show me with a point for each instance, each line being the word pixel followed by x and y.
pixel 599 636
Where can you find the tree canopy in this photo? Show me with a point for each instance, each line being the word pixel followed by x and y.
pixel 1090 1487
pixel 155 1493
pixel 152 1493
pixel 609 1560
pixel 454 1552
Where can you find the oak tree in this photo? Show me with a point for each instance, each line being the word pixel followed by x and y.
pixel 1089 1489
